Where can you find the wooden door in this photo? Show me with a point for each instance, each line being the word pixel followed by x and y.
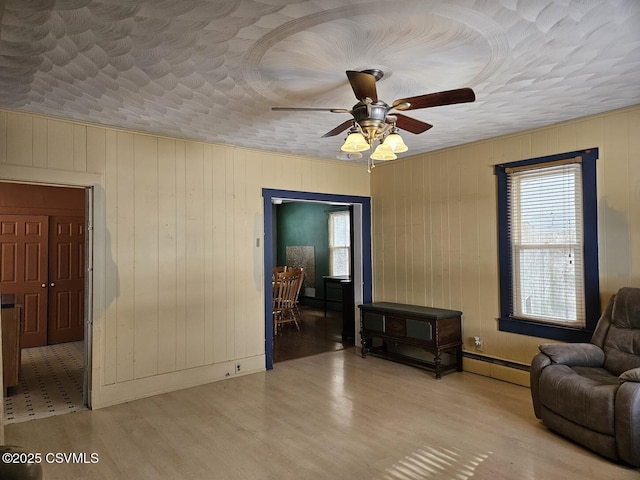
pixel 23 271
pixel 66 279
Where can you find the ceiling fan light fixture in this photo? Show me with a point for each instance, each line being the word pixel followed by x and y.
pixel 372 122
pixel 355 142
pixel 383 152
pixel 395 143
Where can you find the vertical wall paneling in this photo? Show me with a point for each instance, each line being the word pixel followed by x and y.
pixel 110 255
pixel 539 144
pixel 377 233
pixel 242 261
pixel 402 223
pixel 96 148
pixel 455 166
pixel 220 284
pixel 195 254
pixel 3 137
pixel 469 268
pixel 60 145
pixel 255 336
pixel 438 207
pixel 417 235
pixel 591 132
pixel 208 255
pixel 615 203
pixel 229 260
pixel 167 256
pixel 485 203
pixel 181 255
pixel 20 139
pixel 388 237
pixel 146 258
pixel 309 182
pixel 567 137
pixel 40 142
pixel 79 148
pixel 428 230
pixel 126 257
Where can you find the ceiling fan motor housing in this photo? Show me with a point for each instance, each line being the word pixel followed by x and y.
pixel 371 117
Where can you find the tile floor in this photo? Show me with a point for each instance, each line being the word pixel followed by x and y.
pixel 51 382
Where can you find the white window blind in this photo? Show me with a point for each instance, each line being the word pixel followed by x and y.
pixel 339 243
pixel 546 232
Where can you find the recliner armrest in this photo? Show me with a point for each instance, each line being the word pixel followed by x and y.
pixel 627 419
pixel 631 375
pixel 574 354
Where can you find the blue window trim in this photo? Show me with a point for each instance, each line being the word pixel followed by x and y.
pixel 367 272
pixel 591 275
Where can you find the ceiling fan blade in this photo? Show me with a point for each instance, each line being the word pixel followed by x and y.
pixel 448 97
pixel 339 129
pixel 304 109
pixel 363 84
pixel 411 124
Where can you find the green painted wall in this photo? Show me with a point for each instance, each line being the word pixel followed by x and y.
pixel 305 224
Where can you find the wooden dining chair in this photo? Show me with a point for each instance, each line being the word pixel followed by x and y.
pixel 296 303
pixel 285 287
pixel 279 269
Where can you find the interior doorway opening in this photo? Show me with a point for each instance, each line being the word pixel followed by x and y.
pixel 360 251
pixel 46 251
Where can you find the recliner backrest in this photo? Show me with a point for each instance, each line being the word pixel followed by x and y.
pixel 622 342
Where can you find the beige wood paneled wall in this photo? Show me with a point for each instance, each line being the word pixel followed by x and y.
pixel 178 250
pixel 435 225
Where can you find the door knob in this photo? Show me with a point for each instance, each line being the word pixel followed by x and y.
pixel 52 284
pixel 43 285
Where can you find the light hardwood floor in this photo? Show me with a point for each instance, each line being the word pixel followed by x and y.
pixel 328 416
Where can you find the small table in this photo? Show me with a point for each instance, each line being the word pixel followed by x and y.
pixel 348 314
pixel 342 279
pixel 11 331
pixel 436 330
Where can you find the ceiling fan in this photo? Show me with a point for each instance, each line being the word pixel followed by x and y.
pixel 371 119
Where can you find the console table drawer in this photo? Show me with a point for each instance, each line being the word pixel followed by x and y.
pixel 373 321
pixel 420 330
pixel 395 326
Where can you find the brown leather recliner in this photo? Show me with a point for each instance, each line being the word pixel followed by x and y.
pixel 590 392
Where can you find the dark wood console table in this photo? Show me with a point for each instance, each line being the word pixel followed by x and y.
pixel 343 280
pixel 348 314
pixel 435 330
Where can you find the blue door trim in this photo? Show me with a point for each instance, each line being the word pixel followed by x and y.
pixel 268 195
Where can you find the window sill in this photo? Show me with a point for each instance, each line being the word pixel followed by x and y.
pixel 544 330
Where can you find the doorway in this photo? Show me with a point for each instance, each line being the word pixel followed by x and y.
pixel 42 245
pixel 361 249
pixel 42 238
pixel 43 267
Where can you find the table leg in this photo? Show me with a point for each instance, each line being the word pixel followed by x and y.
pixel 438 363
pixel 363 346
pixel 325 298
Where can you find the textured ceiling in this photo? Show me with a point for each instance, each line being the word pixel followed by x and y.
pixel 212 69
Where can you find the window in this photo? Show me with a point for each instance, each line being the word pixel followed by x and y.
pixel 339 243
pixel 548 246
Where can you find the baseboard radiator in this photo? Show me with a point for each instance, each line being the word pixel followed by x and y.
pixel 496 361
